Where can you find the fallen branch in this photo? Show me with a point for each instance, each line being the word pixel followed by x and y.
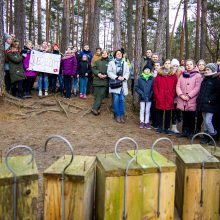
pixel 46 110
pixel 86 112
pixel 62 108
pixel 71 105
pixel 11 97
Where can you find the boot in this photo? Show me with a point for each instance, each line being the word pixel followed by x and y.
pixel 174 129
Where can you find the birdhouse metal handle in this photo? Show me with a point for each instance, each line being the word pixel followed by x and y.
pixel 63 172
pixel 159 167
pixel 202 133
pixel 15 176
pixel 126 171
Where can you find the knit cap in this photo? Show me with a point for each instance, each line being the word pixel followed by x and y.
pixel 213 67
pixel 175 62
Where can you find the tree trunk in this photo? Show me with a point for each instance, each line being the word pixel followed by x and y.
pixel 65 25
pixel 57 28
pixel 117 24
pixel 138 35
pixel 86 23
pixel 161 29
pixel 197 41
pixel 94 34
pixel 73 22
pixel 182 39
pixel 11 18
pixel 203 29
pixel 31 19
pixel 167 32
pixel 7 12
pixel 19 21
pixel 174 25
pixel 145 26
pixel 2 58
pixel 48 11
pixel 39 27
pixel 77 24
pixel 130 25
pixel 186 30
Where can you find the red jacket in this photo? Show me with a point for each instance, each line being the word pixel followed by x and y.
pixel 165 90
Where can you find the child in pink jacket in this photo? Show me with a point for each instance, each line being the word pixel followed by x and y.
pixel 187 89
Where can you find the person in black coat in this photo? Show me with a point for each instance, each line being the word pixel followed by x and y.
pixel 144 87
pixel 84 71
pixel 208 99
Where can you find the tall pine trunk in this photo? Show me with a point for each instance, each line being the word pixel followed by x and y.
pixel 94 35
pixel 7 13
pixel 197 40
pixel 48 11
pixel 161 29
pixel 11 17
pixel 130 26
pixel 77 24
pixel 57 28
pixel 203 38
pixel 1 48
pixel 145 26
pixel 39 26
pixel 19 21
pixel 168 32
pixel 31 19
pixel 73 21
pixel 138 35
pixel 86 23
pixel 117 25
pixel 186 29
pixel 65 25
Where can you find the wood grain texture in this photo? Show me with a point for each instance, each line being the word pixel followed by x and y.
pixel 78 189
pixel 27 189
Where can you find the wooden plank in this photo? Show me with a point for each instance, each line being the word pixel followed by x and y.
pixel 27 205
pixel 192 190
pixel 193 156
pixel 145 161
pixel 80 168
pixel 116 167
pixel 179 189
pixel 21 168
pixel 150 194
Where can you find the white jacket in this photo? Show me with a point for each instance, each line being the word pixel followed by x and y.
pixel 112 74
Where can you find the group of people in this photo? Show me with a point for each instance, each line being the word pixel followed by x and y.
pixel 169 91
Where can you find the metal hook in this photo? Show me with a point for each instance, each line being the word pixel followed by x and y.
pixel 15 176
pixel 160 168
pixel 202 133
pixel 126 171
pixel 63 172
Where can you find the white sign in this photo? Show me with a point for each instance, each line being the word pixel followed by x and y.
pixel 45 62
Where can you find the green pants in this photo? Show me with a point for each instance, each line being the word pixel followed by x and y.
pixel 99 95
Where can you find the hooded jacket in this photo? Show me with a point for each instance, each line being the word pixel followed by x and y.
pixel 165 89
pixel 209 95
pixel 88 54
pixel 26 62
pixel 189 85
pixel 69 65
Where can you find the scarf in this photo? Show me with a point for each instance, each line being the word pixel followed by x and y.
pixel 190 74
pixel 146 76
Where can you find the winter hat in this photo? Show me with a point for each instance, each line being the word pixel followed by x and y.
pixel 213 67
pixel 175 62
pixel 55 45
pixel 147 67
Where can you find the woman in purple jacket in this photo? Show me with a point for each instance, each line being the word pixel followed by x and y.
pixel 30 75
pixel 69 67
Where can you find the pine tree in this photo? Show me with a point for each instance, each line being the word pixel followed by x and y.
pixel 117 24
pixel 1 48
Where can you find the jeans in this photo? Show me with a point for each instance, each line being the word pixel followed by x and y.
pixel 208 126
pixel 83 85
pixel 27 84
pixel 68 84
pixel 145 111
pixel 119 104
pixel 75 83
pixel 41 77
pixel 54 82
pixel 17 88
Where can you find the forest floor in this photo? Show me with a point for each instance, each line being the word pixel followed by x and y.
pixel 33 120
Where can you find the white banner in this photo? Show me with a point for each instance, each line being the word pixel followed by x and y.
pixel 44 62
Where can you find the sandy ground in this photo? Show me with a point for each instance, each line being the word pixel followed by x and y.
pixel 89 134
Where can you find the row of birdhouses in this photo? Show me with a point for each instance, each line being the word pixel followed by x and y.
pixel 132 185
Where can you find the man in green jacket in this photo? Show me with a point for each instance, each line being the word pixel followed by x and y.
pixel 100 81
